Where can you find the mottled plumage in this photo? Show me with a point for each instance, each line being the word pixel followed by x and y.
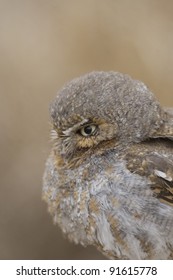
pixel 108 181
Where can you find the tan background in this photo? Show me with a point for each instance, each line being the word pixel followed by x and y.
pixel 44 43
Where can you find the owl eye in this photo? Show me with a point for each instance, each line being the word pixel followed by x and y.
pixel 88 130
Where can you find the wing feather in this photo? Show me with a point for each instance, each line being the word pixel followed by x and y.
pixel 157 167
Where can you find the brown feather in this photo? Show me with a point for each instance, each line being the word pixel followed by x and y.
pixel 153 159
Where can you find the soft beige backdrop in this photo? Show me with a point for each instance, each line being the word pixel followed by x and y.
pixel 44 43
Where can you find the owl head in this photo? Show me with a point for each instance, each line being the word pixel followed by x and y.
pixel 102 109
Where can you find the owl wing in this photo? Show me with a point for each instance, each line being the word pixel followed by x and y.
pixel 160 171
pixel 155 163
pixel 162 167
pixel 154 160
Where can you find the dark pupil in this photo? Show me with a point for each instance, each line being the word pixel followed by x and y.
pixel 88 129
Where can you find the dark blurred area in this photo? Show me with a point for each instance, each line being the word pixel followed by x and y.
pixel 42 45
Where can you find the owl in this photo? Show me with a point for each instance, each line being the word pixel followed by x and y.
pixel 108 181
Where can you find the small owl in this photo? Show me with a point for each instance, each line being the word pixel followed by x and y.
pixel 108 181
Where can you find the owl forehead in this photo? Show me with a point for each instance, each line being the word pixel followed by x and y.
pixel 74 111
pixel 82 109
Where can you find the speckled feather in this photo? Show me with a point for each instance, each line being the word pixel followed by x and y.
pixel 113 189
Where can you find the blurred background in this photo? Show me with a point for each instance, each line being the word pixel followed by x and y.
pixel 43 44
